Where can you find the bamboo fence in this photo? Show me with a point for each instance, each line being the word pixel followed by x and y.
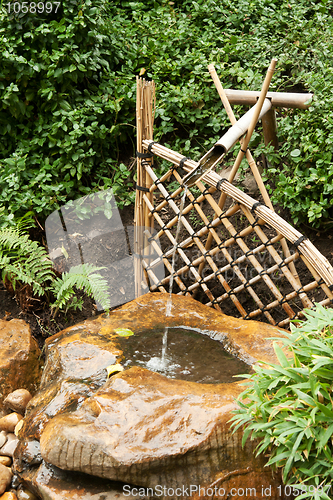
pixel 233 253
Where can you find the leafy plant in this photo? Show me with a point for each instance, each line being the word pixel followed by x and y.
pixel 27 270
pixel 289 406
pixel 67 94
pixel 83 277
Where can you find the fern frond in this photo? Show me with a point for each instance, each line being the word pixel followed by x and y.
pixel 24 260
pixel 83 277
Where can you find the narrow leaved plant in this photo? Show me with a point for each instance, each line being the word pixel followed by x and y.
pixel 288 407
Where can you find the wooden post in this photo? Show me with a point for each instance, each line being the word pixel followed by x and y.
pixel 269 128
pixel 145 104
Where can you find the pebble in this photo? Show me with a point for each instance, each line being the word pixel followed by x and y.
pixel 24 494
pixel 18 400
pixel 5 478
pixel 9 422
pixel 18 427
pixel 3 438
pixel 15 482
pixel 9 495
pixel 7 461
pixel 9 447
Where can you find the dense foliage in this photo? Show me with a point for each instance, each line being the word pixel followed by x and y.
pixel 67 93
pixel 289 407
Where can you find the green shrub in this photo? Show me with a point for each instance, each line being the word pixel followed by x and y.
pixel 67 93
pixel 59 104
pixel 289 406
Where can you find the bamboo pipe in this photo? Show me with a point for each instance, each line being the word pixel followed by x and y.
pixel 278 99
pixel 240 127
pixel 225 143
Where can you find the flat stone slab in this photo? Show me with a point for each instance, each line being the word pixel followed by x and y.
pixel 146 429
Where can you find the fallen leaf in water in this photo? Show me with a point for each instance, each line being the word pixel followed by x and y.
pixel 124 332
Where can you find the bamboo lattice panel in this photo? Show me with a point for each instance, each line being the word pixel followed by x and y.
pixel 245 271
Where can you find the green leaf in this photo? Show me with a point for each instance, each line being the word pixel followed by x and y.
pixel 326 411
pixel 291 458
pixel 281 356
pixel 124 332
pixel 295 153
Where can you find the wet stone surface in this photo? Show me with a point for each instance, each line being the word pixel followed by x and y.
pixel 137 427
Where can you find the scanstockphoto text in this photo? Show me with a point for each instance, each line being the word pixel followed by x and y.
pixel 163 491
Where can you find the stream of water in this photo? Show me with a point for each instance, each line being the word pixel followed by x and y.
pixel 163 361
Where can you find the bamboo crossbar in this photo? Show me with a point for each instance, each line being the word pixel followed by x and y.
pixel 278 99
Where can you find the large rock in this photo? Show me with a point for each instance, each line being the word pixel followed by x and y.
pixel 76 361
pixel 51 483
pixel 140 427
pixel 146 429
pixel 20 358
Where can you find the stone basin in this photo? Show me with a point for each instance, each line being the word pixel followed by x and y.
pixel 139 429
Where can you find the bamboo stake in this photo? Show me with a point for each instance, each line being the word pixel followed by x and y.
pixel 144 111
pixel 269 129
pixel 138 194
pixel 251 162
pixel 245 141
pixel 250 130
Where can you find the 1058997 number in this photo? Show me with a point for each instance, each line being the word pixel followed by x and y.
pixel 32 7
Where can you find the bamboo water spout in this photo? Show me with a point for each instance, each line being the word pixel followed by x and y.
pixel 216 154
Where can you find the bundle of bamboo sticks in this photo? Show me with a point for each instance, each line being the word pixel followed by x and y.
pixel 145 111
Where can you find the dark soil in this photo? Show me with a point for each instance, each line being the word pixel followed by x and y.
pixel 40 316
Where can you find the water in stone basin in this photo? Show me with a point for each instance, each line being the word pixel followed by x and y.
pixel 190 355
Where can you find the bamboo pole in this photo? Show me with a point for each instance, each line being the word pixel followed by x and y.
pixel 245 141
pixel 144 118
pixel 269 129
pixel 250 160
pixel 138 212
pixel 278 99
